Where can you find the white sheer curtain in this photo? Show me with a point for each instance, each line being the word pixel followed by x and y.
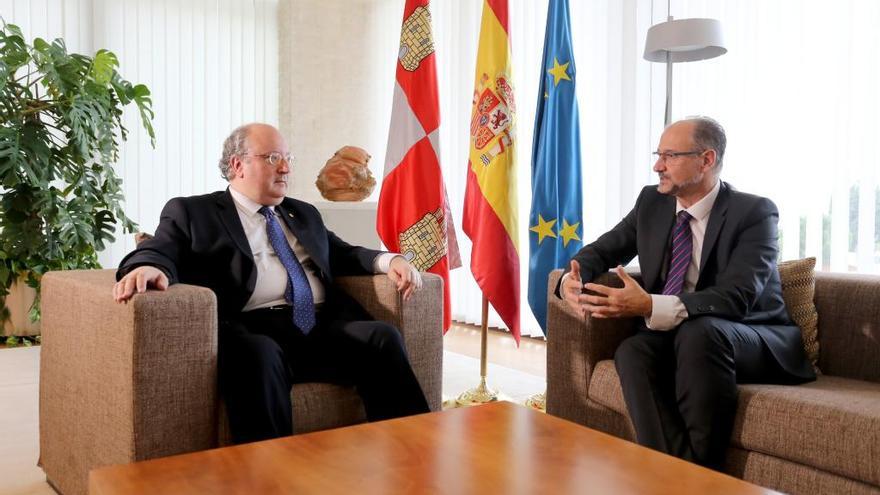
pixel 797 93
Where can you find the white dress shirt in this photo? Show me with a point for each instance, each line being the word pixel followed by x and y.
pixel 271 275
pixel 668 311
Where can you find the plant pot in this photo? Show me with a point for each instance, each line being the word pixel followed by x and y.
pixel 19 302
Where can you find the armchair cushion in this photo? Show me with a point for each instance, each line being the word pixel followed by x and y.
pixel 818 424
pixel 831 424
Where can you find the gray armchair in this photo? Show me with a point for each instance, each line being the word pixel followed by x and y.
pixel 128 382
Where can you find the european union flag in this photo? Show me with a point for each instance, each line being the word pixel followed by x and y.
pixel 555 218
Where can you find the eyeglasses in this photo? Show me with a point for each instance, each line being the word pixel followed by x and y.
pixel 665 156
pixel 275 158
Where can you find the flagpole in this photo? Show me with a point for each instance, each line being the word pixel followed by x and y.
pixel 484 338
pixel 481 394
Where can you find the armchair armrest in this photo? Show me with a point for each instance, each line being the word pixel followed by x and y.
pixel 123 382
pixel 420 321
pixel 575 345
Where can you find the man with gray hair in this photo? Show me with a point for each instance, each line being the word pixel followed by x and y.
pixel 710 298
pixel 271 262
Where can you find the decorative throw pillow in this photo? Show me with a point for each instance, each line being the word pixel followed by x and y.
pixel 798 288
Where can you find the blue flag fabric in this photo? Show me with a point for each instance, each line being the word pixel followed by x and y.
pixel 555 222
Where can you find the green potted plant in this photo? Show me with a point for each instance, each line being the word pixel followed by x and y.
pixel 60 131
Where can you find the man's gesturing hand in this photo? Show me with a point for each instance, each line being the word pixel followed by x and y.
pixel 572 286
pixel 631 300
pixel 137 281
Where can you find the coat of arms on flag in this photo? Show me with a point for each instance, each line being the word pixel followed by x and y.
pixel 492 117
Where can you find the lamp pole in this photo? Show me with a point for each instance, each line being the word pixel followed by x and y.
pixel 683 40
pixel 667 116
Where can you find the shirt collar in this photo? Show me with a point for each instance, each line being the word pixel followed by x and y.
pixel 244 203
pixel 701 209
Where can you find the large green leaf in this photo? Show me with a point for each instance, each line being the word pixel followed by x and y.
pixel 12 157
pixel 13 49
pixel 103 66
pixel 141 97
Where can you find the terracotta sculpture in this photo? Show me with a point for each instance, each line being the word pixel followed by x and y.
pixel 346 176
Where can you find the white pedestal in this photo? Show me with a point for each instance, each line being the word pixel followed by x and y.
pixel 353 222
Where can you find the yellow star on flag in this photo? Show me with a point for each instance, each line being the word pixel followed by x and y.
pixel 569 232
pixel 544 228
pixel 558 72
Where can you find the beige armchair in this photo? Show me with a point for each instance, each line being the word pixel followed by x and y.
pixel 819 437
pixel 127 382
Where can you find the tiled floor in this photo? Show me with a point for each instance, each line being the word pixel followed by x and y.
pixel 515 373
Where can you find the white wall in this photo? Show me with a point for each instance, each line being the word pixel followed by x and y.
pixel 337 76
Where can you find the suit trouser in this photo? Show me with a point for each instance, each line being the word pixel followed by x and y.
pixel 680 385
pixel 262 354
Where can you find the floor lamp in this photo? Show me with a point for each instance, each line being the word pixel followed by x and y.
pixel 682 40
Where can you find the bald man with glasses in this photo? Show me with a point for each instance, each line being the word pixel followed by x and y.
pixel 271 262
pixel 710 299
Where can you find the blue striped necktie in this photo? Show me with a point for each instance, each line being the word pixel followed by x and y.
pixel 682 250
pixel 299 292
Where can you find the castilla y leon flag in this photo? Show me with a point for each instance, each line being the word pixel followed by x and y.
pixel 414 217
pixel 490 217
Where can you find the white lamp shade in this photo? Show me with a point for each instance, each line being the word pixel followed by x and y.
pixel 685 40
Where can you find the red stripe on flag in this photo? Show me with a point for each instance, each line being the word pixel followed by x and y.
pixel 500 9
pixel 412 190
pixel 411 6
pixel 420 85
pixel 421 82
pixel 494 260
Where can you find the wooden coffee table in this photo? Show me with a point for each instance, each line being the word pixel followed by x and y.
pixel 495 448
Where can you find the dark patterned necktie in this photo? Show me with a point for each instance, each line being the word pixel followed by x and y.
pixel 299 292
pixel 682 250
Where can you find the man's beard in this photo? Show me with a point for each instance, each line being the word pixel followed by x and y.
pixel 674 189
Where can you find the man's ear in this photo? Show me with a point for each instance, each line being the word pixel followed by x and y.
pixel 709 157
pixel 236 165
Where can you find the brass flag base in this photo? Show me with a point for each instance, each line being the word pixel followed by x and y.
pixel 481 394
pixel 538 402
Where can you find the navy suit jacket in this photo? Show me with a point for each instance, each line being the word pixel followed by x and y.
pixel 200 241
pixel 738 279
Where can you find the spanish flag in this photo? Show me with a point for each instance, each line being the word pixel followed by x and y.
pixel 490 217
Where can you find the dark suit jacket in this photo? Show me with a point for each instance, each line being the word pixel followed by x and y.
pixel 200 241
pixel 738 278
